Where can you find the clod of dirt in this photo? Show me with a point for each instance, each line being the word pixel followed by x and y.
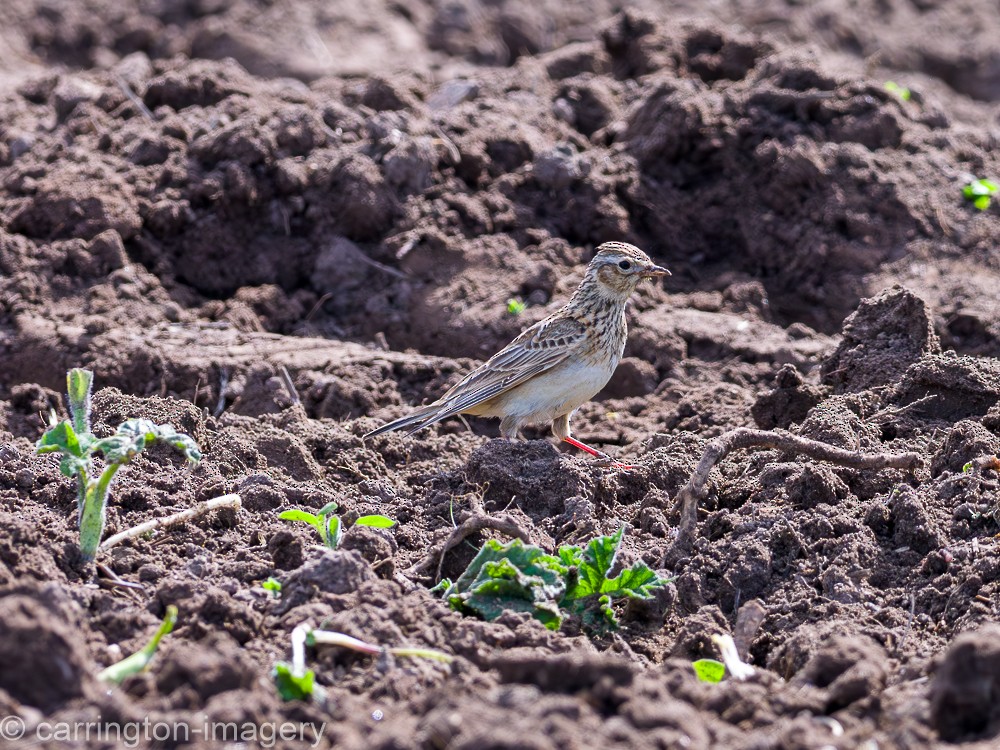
pixel 884 336
pixel 967 441
pixel 913 524
pixel 848 665
pixel 190 674
pixel 286 550
pixel 111 407
pixel 837 421
pixel 788 403
pixel 531 471
pixel 965 693
pixel 694 637
pixel 45 663
pixel 332 571
pixel 565 673
pixel 955 387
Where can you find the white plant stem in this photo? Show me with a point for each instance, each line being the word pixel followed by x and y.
pixel 226 501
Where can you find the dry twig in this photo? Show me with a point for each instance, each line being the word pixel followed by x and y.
pixel 225 501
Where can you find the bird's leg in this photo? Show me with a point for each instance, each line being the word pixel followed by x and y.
pixel 601 455
pixel 560 428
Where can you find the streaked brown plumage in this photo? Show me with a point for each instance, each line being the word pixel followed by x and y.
pixel 556 365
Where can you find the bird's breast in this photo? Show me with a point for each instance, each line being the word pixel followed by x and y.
pixel 554 392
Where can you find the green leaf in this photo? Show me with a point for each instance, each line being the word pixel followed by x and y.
pixel 333 531
pixel 378 522
pixel 709 670
pixel 273 585
pixel 510 577
pixel 78 385
pixel 636 582
pixel 595 563
pixel 966 468
pixel 70 466
pixel 143 431
pixel 293 686
pixel 328 509
pixel 62 437
pixel 140 660
pixel 515 306
pixel 441 586
pixel 901 91
pixel 979 192
pixel 300 515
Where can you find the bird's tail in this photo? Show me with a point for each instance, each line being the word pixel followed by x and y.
pixel 417 420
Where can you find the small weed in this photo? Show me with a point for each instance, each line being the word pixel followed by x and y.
pixel 293 686
pixel 980 192
pixel 523 578
pixel 901 91
pixel 273 585
pixel 78 446
pixel 140 660
pixel 709 670
pixel 515 306
pixel 328 525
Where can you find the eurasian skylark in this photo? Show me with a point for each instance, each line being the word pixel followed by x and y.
pixel 557 364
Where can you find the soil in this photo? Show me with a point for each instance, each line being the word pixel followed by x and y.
pixel 196 195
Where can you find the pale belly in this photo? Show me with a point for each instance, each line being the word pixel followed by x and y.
pixel 549 395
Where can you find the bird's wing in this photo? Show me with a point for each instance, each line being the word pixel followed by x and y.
pixel 537 349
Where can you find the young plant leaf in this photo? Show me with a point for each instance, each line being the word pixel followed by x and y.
pixel 523 578
pixel 78 386
pixel 512 576
pixel 140 660
pixel 299 515
pixel 333 532
pixel 709 670
pixel 515 306
pixel 292 686
pixel 60 438
pixel 273 585
pixel 378 522
pixel 980 192
pixel 328 509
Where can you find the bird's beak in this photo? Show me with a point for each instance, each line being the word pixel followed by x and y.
pixel 655 271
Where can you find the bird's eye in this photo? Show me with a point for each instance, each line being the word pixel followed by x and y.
pixel 624 265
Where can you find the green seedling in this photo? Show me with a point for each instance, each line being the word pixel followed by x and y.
pixel 709 670
pixel 520 577
pixel 966 468
pixel 980 192
pixel 139 661
pixel 292 686
pixel 901 91
pixel 273 585
pixel 78 447
pixel 294 682
pixel 515 306
pixel 328 525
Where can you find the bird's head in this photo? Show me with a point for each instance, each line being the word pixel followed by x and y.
pixel 618 267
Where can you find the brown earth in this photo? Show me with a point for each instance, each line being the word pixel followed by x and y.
pixel 195 195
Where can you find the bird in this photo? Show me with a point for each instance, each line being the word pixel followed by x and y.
pixel 556 365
